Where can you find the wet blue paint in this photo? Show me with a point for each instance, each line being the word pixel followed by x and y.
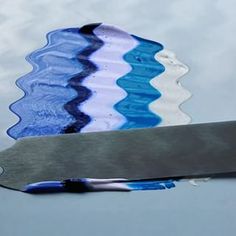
pixel 46 88
pixel 84 185
pixel 69 185
pixel 54 90
pixel 45 187
pixel 140 93
pixel 151 185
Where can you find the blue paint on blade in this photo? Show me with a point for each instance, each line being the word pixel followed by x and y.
pixel 54 90
pixel 45 187
pixel 151 185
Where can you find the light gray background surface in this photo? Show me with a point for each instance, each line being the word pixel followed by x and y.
pixel 202 34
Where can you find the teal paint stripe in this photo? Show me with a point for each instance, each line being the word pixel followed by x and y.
pixel 140 93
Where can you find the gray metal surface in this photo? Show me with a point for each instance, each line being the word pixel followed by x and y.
pixel 164 152
pixel 202 33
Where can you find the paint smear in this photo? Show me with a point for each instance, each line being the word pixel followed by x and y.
pixel 98 78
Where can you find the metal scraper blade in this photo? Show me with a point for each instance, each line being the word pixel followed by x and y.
pixel 164 152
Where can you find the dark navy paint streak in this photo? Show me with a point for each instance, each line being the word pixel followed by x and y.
pixel 83 93
pixel 135 106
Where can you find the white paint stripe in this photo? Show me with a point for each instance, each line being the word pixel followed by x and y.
pixel 172 92
pixel 111 66
pixel 110 187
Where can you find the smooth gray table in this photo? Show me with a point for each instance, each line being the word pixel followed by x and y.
pixel 202 34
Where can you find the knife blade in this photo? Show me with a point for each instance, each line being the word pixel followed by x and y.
pixel 151 153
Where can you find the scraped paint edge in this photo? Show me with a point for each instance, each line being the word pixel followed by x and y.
pixel 95 185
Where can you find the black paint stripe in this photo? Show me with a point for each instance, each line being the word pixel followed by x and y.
pixel 72 107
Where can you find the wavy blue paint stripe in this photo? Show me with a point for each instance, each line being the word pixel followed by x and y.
pixel 83 93
pixel 140 93
pixel 46 89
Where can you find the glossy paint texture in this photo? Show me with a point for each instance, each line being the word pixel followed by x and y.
pixel 103 83
pixel 97 78
pixel 135 107
pixel 41 110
